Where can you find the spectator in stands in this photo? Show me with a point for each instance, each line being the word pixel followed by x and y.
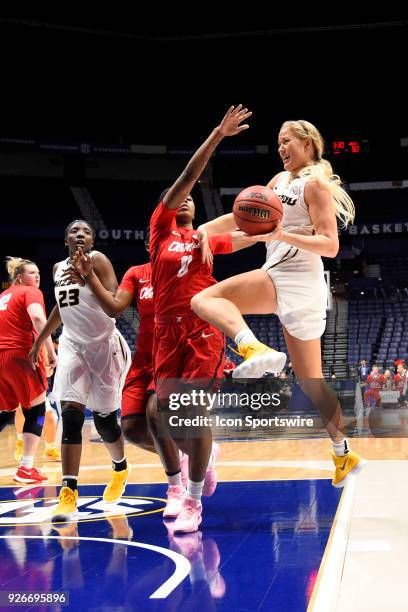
pixel 400 379
pixel 375 382
pixel 363 370
pixel 229 367
pixel 388 384
pixel 290 374
pixel 285 390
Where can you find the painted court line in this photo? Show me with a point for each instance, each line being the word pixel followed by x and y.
pixel 307 465
pixel 182 570
pixel 330 581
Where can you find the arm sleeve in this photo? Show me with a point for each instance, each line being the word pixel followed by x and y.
pixel 221 244
pixel 162 221
pixel 129 280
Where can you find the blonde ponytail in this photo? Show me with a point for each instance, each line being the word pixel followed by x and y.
pixel 320 168
pixel 15 266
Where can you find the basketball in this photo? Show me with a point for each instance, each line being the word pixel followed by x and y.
pixel 257 210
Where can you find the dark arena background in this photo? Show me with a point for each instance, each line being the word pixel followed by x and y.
pixel 98 117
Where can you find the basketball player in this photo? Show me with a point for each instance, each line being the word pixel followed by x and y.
pixel 93 362
pixel 138 397
pixel 291 282
pixel 185 347
pixel 22 315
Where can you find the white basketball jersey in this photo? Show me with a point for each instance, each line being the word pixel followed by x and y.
pixel 84 320
pixel 296 216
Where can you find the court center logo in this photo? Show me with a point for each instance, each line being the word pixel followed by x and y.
pixel 90 508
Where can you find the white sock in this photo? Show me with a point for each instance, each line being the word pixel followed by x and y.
pixel 49 445
pixel 175 480
pixel 19 436
pixel 195 490
pixel 341 448
pixel 27 461
pixel 245 336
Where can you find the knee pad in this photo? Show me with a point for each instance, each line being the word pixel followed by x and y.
pixel 72 422
pixel 107 426
pixel 34 419
pixel 6 417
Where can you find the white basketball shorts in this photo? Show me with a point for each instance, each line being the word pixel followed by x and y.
pixel 301 291
pixel 92 374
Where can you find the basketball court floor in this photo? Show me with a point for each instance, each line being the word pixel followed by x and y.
pixel 275 535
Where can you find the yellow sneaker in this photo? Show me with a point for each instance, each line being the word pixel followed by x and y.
pixel 52 454
pixel 258 360
pixel 19 450
pixel 66 509
pixel 346 466
pixel 116 487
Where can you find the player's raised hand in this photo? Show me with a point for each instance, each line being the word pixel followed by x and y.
pixel 73 276
pixel 82 262
pixel 231 124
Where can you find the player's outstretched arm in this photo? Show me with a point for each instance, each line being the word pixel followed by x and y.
pixel 221 225
pixel 229 126
pixel 240 241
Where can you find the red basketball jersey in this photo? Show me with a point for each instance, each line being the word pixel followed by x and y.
pixel 16 328
pixel 138 281
pixel 177 270
pixel 375 381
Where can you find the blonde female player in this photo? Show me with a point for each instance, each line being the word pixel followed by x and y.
pixel 22 316
pixel 291 282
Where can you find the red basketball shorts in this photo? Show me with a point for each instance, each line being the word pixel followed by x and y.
pixel 139 385
pixel 19 383
pixel 187 348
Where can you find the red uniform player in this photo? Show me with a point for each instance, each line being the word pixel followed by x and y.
pixel 22 317
pixel 186 347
